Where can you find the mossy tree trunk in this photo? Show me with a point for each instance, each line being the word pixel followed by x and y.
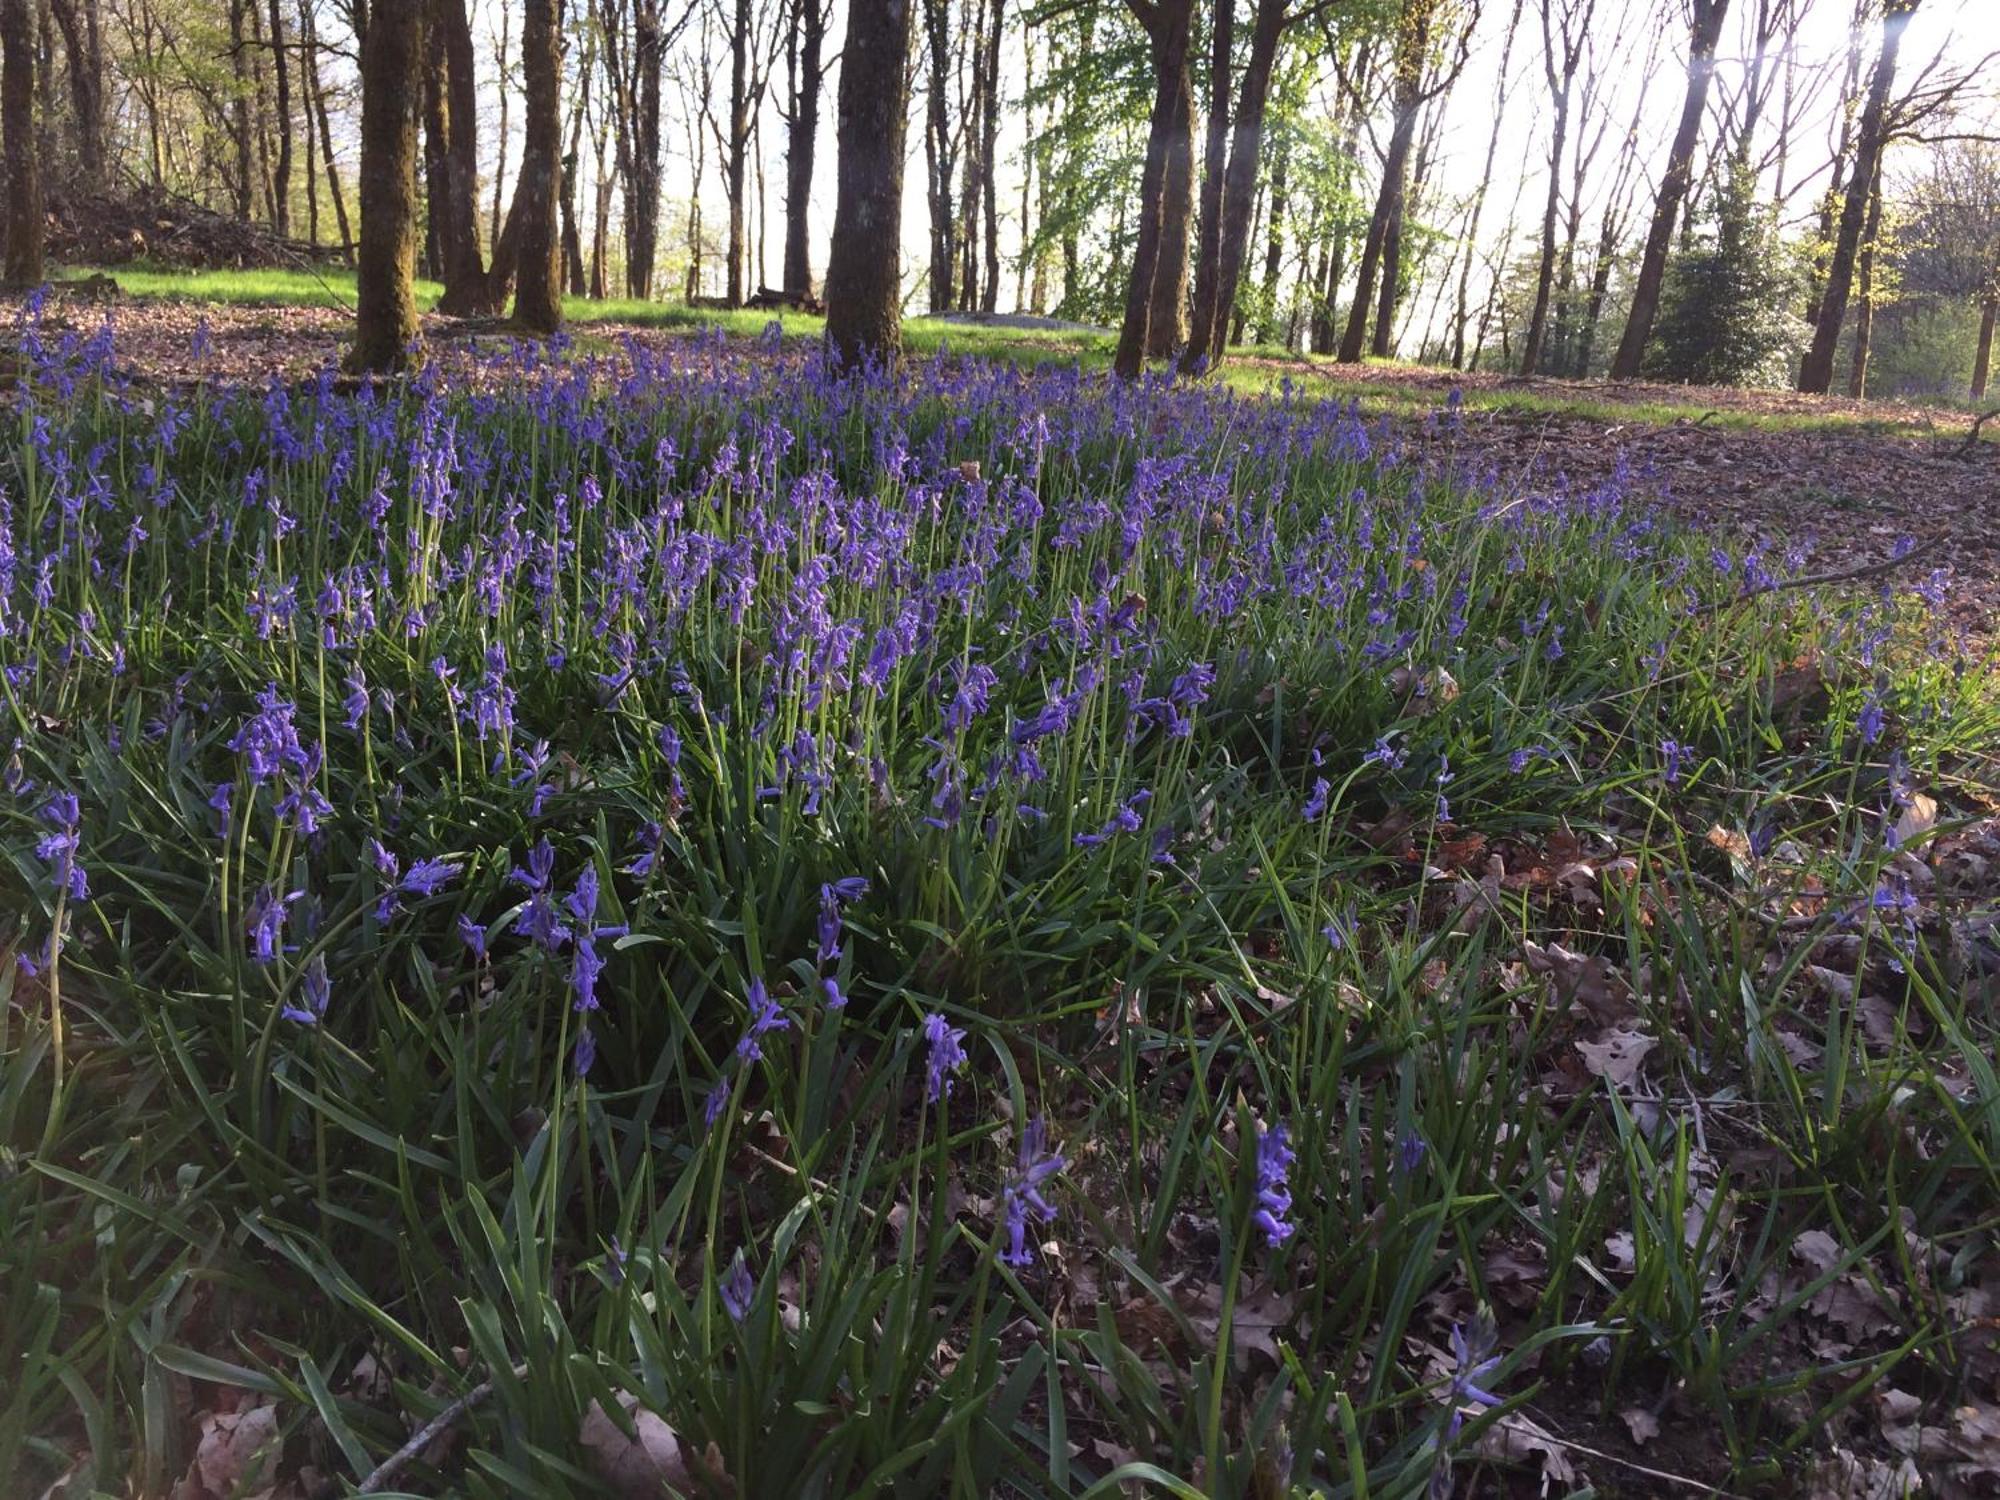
pixel 391 87
pixel 537 284
pixel 17 127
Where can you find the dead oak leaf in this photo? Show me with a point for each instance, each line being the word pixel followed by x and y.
pixel 1617 1056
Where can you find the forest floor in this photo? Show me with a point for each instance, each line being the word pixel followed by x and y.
pixel 1847 481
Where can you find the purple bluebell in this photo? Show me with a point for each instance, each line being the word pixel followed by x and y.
pixel 736 1289
pixel 265 922
pixel 1274 1197
pixel 1021 1196
pixel 766 1016
pixel 946 1057
pixel 58 847
pixel 315 991
pixel 1675 756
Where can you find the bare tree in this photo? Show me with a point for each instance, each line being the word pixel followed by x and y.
pixel 1705 18
pixel 1816 372
pixel 83 48
pixel 1500 93
pixel 1414 85
pixel 864 267
pixel 805 73
pixel 1563 51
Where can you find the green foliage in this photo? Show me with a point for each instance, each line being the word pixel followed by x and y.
pixel 1729 310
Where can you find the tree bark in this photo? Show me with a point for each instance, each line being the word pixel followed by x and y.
pixel 940 160
pixel 1388 206
pixel 83 48
pixel 642 195
pixel 1211 323
pixel 1864 312
pixel 239 108
pixel 1168 25
pixel 25 225
pixel 537 284
pixel 808 39
pixel 1274 242
pixel 863 273
pixel 1816 374
pixel 281 169
pixel 736 163
pixel 1166 326
pixel 1706 28
pixel 452 156
pixel 391 84
pixel 989 158
pixel 1982 361
pixel 1214 171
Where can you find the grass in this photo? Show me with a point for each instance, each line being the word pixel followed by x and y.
pixel 476 791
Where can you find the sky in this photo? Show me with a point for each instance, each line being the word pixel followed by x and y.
pixel 1957 31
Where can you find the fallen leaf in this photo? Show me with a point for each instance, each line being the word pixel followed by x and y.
pixel 1642 1424
pixel 640 1467
pixel 1516 1439
pixel 1617 1056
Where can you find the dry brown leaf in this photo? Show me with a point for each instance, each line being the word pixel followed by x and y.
pixel 1617 1056
pixel 1917 819
pixel 237 1455
pixel 1516 1439
pixel 1642 1424
pixel 643 1466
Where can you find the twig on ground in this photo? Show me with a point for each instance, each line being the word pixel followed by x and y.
pixel 423 1436
pixel 1814 580
pixel 1964 449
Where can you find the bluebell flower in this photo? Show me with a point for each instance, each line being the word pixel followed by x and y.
pixel 947 1055
pixel 736 1289
pixel 473 935
pixel 1274 1197
pixel 315 990
pixel 766 1016
pixel 265 922
pixel 1316 803
pixel 1675 754
pixel 1021 1195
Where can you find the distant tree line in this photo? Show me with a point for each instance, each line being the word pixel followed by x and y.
pixel 1677 188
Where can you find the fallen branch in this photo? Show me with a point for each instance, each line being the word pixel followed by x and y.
pixel 1964 449
pixel 424 1435
pixel 1814 580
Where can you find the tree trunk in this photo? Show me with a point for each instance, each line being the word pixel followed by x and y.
pixel 863 273
pixel 1982 361
pixel 736 165
pixel 1388 206
pixel 1274 242
pixel 1461 310
pixel 391 84
pixel 1545 270
pixel 1240 182
pixel 83 47
pixel 452 156
pixel 281 170
pixel 1214 171
pixel 801 131
pixel 500 162
pixel 939 160
pixel 1816 374
pixel 642 192
pixel 1864 312
pixel 989 152
pixel 1168 26
pixel 17 130
pixel 239 108
pixel 1166 327
pixel 1703 33
pixel 537 288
